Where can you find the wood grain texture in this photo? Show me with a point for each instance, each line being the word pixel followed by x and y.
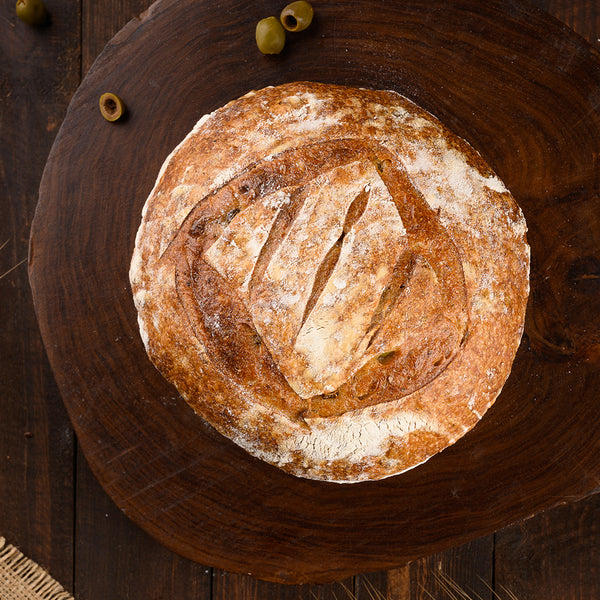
pixel 581 16
pixel 39 71
pixel 115 559
pixel 229 585
pixel 161 470
pixel 555 556
pixel 469 568
pixel 100 21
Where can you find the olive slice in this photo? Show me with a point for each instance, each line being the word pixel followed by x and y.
pixel 111 106
pixel 297 16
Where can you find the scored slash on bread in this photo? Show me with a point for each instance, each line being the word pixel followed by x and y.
pixel 331 279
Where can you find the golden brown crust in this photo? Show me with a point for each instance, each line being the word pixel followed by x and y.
pixel 331 279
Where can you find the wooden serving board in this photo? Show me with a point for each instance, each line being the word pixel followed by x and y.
pixel 521 88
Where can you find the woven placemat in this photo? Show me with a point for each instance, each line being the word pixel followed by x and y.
pixel 22 579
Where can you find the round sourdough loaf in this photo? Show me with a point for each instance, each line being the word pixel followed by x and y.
pixel 331 279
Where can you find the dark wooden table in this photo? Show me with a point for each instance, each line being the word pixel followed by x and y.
pixel 51 505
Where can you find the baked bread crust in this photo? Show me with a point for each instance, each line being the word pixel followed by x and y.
pixel 331 279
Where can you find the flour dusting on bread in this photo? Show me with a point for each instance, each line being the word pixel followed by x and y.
pixel 331 279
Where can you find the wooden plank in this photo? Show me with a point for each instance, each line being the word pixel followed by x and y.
pixel 465 571
pixel 101 20
pixel 555 556
pixel 583 16
pixel 39 71
pixel 114 558
pixel 230 586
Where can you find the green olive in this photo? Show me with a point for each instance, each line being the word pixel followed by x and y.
pixel 297 16
pixel 270 36
pixel 111 106
pixel 32 12
pixel 386 357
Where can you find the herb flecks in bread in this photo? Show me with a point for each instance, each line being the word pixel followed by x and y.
pixel 332 279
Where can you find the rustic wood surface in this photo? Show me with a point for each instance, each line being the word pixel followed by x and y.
pixel 50 503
